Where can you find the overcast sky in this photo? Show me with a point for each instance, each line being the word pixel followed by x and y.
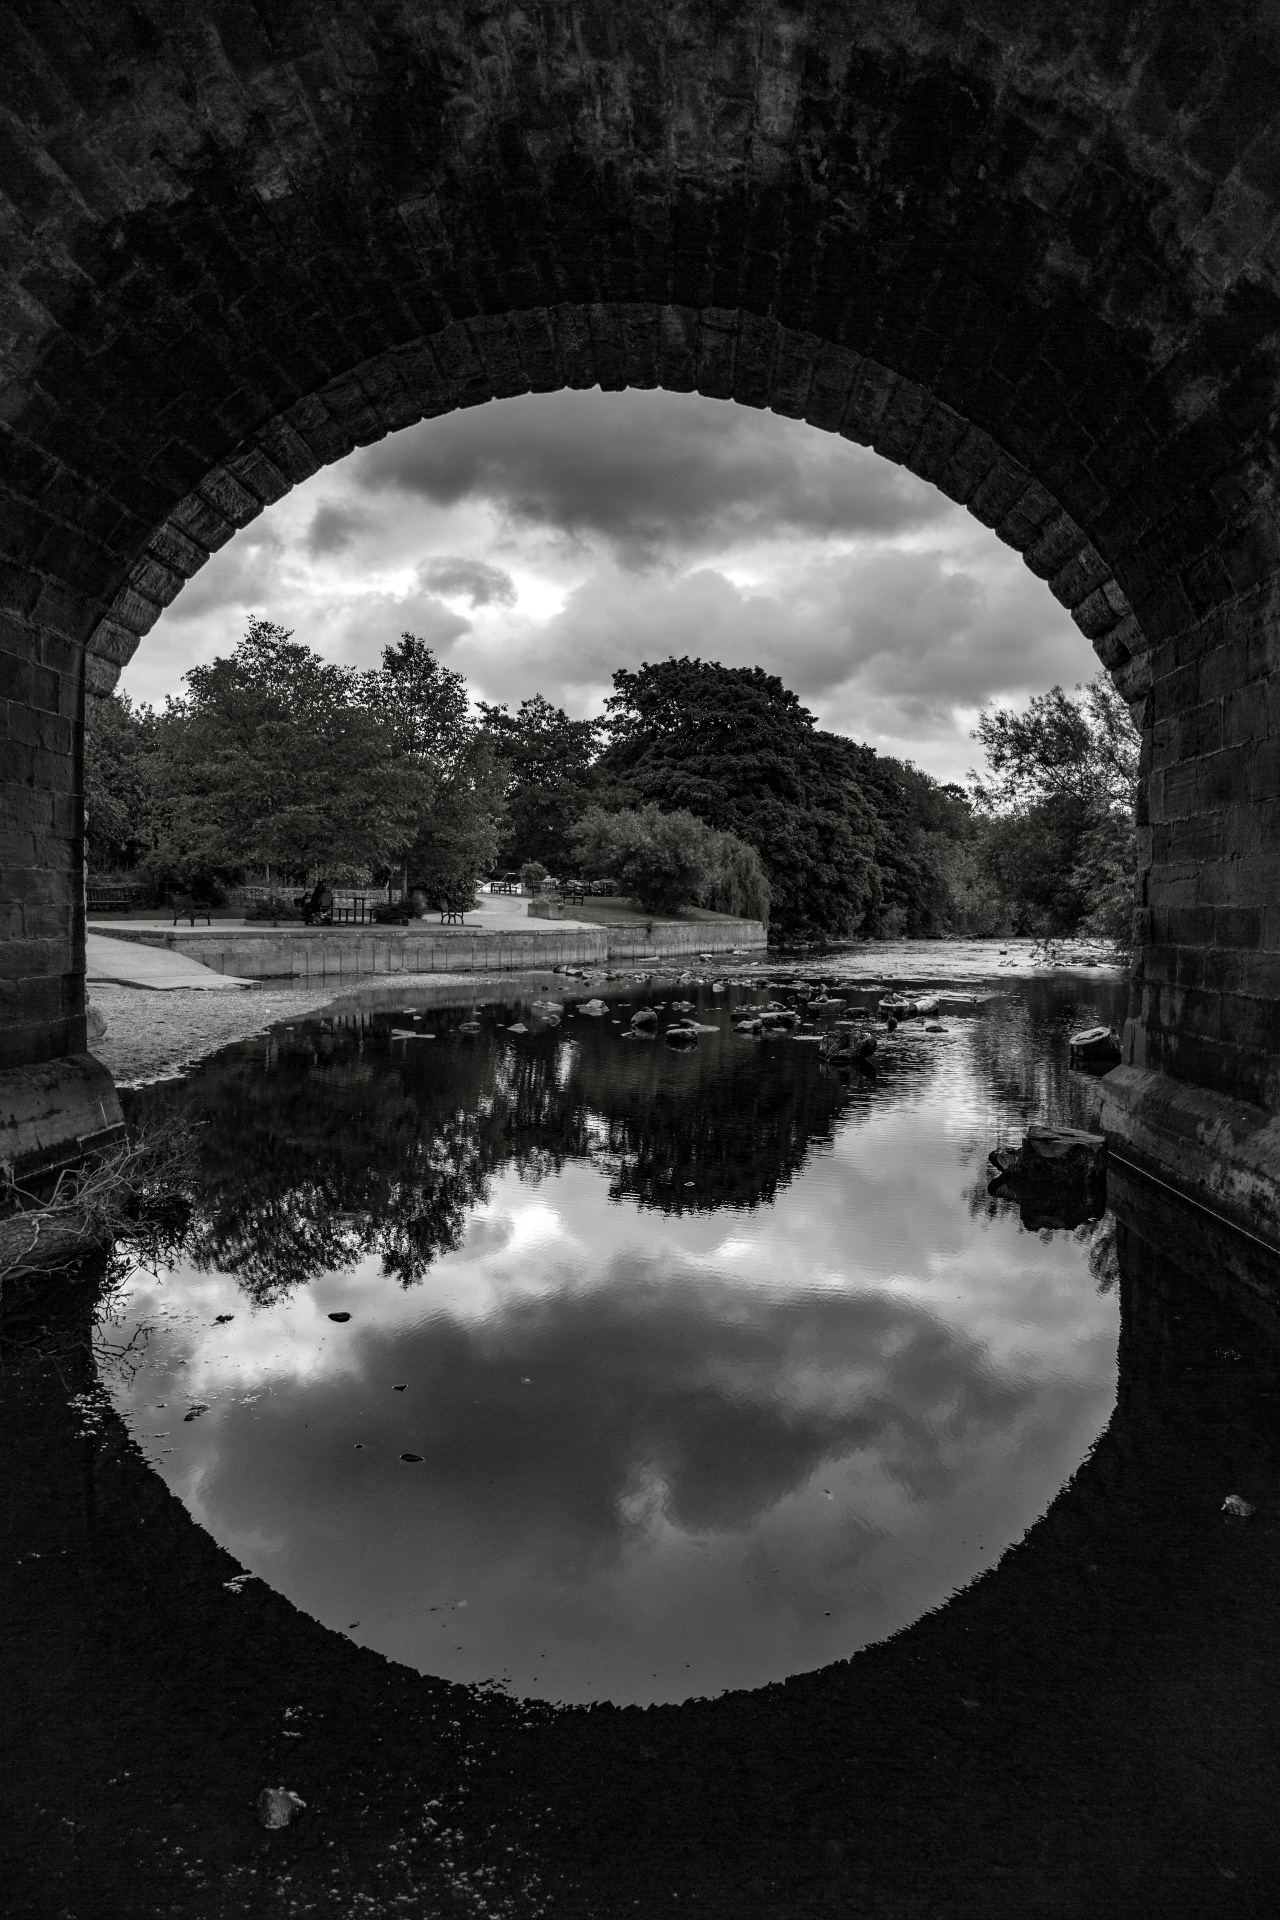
pixel 539 543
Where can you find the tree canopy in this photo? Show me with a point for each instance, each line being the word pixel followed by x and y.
pixel 699 784
pixel 668 859
pixel 1058 811
pixel 735 747
pixel 545 760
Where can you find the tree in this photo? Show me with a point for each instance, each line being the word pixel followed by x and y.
pixel 426 711
pixel 735 747
pixel 669 860
pixel 280 761
pixel 123 784
pixel 1058 809
pixel 546 760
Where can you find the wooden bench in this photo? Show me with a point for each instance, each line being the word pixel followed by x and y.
pixel 185 908
pixel 114 899
pixel 452 917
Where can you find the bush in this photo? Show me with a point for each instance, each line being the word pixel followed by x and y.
pixel 166 872
pixel 277 908
pixel 738 883
pixel 671 860
pixel 532 875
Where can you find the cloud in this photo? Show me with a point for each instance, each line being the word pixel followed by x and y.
pixel 540 543
pixel 653 475
pixel 334 527
pixel 236 578
pixel 473 580
pixel 376 620
pixel 889 644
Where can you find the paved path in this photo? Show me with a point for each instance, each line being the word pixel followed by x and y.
pixel 130 964
pixel 492 910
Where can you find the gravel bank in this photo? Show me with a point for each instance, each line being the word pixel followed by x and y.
pixel 152 1036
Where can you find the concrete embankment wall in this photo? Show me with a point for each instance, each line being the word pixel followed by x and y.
pixel 349 953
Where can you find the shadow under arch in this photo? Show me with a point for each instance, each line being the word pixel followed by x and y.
pixel 1089 1724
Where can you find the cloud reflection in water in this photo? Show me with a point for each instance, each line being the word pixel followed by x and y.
pixel 663 1452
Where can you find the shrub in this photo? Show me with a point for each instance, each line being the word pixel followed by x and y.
pixel 671 860
pixel 276 908
pixel 738 883
pixel 532 875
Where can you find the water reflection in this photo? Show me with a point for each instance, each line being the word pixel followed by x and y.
pixel 716 1365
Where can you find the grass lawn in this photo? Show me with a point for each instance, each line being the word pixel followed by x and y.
pixel 606 911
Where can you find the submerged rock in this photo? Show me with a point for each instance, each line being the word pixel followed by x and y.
pixel 277 1806
pixel 848 1048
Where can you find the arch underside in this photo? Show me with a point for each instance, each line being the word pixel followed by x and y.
pixel 728 355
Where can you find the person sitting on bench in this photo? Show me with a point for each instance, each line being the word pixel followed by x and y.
pixel 185 908
pixel 319 908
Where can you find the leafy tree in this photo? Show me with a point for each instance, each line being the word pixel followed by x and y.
pixel 735 747
pixel 123 784
pixel 669 860
pixel 425 709
pixel 1058 810
pixel 278 760
pixel 546 760
pixel 736 881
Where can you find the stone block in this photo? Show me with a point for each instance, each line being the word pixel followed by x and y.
pixel 1239 927
pixel 1226 777
pixel 1191 926
pixel 1200 731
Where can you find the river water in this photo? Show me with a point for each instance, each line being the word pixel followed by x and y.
pixel 656 1373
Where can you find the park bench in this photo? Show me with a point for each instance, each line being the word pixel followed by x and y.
pixel 185 908
pixel 452 917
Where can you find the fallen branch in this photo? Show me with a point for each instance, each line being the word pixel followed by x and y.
pixel 134 1191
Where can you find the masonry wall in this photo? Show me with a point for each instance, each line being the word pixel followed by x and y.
pixel 336 953
pixel 1206 1002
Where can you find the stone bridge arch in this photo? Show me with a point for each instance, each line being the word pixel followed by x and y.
pixel 1032 255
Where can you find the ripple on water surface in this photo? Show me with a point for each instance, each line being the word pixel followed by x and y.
pixel 605 1371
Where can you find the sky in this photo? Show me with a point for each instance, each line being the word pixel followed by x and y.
pixel 540 543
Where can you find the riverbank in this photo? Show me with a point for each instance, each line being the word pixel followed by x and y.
pixel 311 956
pixel 153 1035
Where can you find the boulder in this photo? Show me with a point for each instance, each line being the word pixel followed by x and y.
pixel 1058 1176
pixel 1095 1047
pixel 1051 1155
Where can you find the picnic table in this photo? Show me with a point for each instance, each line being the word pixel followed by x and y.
pixel 359 911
